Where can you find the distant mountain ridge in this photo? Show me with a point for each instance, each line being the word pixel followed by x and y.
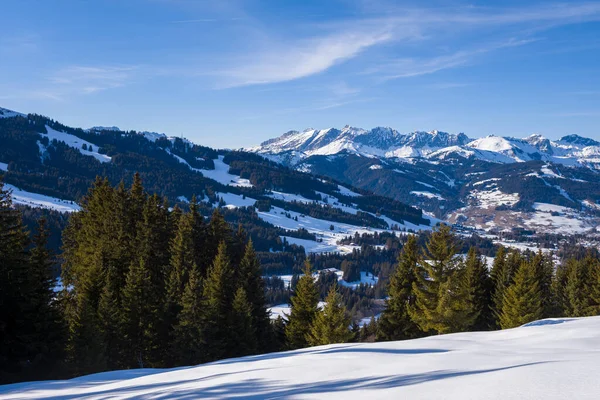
pixel 388 143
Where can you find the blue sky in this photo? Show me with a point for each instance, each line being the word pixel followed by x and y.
pixel 234 73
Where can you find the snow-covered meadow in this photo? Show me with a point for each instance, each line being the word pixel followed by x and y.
pixel 548 359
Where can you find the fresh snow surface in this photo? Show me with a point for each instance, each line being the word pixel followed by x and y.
pixel 549 359
pixel 283 310
pixel 321 228
pixel 221 174
pixel 40 201
pixel 3 166
pixel 76 143
pixel 347 192
pixel 5 113
pixel 235 200
pixel 429 195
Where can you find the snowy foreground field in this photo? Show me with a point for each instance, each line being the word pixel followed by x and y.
pixel 549 359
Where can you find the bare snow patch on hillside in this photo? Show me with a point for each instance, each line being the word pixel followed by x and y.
pixel 3 166
pixel 76 143
pixel 347 192
pixel 235 200
pixel 221 174
pixel 35 200
pixel 429 195
pixel 493 198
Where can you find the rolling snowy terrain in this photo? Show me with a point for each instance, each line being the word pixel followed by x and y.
pixel 548 359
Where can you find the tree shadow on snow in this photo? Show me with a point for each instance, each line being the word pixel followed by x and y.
pixel 255 389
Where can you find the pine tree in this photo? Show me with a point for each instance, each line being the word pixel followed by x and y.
pixel 544 274
pixel 138 313
pixel 304 309
pixel 217 295
pixel 278 329
pixel 250 279
pixel 523 299
pixel 594 308
pixel 49 332
pixel 577 288
pixel 498 276
pixel 190 346
pixel 478 286
pixel 560 297
pixel 15 288
pixel 395 322
pixel 439 296
pixel 330 325
pixel 181 263
pixel 244 341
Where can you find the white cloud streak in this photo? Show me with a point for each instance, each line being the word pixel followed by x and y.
pixel 296 59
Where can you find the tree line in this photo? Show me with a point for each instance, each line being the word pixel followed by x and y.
pixel 146 285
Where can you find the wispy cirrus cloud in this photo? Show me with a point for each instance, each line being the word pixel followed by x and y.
pixel 290 61
pixel 412 67
pixel 282 61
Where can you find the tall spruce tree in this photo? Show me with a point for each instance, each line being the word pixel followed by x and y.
pixel 594 308
pixel 395 322
pixel 332 323
pixel 544 271
pixel 49 332
pixel 15 288
pixel 189 345
pixel 440 300
pixel 244 340
pixel 217 295
pixel 304 309
pixel 478 287
pixel 250 279
pixel 523 299
pixel 577 288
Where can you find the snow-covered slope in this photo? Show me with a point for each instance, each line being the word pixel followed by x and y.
pixel 548 359
pixel 36 200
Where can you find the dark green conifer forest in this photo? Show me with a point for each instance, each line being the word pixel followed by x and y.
pixel 144 285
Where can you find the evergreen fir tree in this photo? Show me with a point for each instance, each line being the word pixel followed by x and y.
pixel 440 300
pixel 217 295
pixel 395 322
pixel 15 288
pixel 478 286
pixel 577 288
pixel 190 346
pixel 304 309
pixel 594 308
pixel 138 313
pixel 48 334
pixel 244 341
pixel 544 271
pixel 330 325
pixel 523 299
pixel 250 279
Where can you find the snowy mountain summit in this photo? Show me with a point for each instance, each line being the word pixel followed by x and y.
pixel 432 146
pixel 547 359
pixel 379 142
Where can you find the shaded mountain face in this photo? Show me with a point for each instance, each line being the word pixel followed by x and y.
pixel 490 183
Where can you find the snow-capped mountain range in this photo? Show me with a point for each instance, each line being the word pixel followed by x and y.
pixel 293 147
